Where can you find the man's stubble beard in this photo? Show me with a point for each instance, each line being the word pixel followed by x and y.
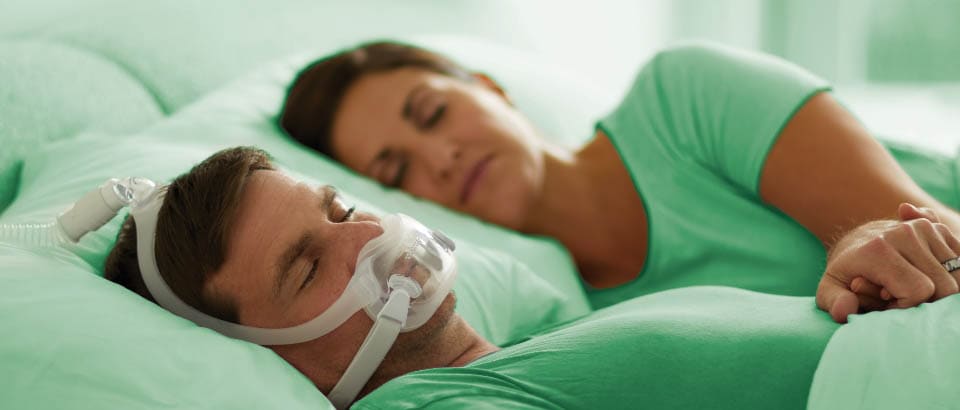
pixel 418 349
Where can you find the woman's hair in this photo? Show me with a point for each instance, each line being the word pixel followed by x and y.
pixel 315 95
pixel 193 225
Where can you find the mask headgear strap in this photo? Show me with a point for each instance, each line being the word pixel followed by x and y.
pixel 145 198
pixel 145 215
pixel 375 346
pixel 378 342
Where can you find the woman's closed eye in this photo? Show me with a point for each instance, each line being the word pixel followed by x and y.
pixel 437 114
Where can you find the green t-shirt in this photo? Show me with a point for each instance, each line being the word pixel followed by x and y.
pixel 694 131
pixel 691 348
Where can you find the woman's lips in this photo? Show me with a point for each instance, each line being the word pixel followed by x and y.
pixel 471 183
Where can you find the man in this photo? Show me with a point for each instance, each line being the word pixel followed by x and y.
pixel 242 242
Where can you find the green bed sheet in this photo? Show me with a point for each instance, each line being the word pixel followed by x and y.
pixel 898 359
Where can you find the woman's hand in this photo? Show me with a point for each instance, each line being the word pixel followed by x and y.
pixel 890 264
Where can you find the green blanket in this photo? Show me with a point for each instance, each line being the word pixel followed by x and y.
pixel 900 359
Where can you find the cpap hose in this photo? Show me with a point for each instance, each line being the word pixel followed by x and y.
pixel 92 211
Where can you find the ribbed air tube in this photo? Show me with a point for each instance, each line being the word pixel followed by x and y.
pixel 88 214
pixel 33 234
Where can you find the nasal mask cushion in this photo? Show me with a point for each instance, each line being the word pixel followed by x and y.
pixel 409 249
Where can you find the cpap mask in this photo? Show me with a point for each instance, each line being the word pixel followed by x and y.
pixel 401 278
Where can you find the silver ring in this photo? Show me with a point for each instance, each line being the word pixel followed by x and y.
pixel 951 264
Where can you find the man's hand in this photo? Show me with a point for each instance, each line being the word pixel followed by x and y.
pixel 889 264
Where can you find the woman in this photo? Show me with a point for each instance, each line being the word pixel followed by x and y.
pixel 719 167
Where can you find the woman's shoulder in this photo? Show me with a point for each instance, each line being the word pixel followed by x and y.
pixel 700 61
pixel 698 50
pixel 682 74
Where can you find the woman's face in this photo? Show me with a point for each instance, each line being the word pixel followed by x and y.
pixel 460 144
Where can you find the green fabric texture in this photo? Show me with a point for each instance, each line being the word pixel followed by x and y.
pixel 935 173
pixel 509 285
pixel 703 117
pixel 52 92
pixel 77 341
pixel 694 131
pixel 184 49
pixel 899 359
pixel 691 348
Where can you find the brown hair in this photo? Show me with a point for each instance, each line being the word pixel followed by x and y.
pixel 315 95
pixel 192 230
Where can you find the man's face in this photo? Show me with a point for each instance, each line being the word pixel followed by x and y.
pixel 292 249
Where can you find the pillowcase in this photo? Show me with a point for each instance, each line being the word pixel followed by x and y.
pixel 43 101
pixel 74 340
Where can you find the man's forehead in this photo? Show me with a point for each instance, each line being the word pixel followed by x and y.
pixel 268 199
pixel 271 178
pixel 258 228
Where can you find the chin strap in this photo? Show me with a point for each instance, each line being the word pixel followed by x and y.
pixel 377 343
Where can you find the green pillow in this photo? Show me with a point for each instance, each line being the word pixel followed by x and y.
pixel 73 340
pixel 94 344
pixel 53 91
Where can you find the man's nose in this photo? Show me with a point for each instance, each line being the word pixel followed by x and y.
pixel 442 158
pixel 369 224
pixel 355 235
pixel 365 217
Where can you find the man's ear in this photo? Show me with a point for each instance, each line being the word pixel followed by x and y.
pixel 492 85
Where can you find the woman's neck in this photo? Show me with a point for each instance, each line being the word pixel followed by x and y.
pixel 588 203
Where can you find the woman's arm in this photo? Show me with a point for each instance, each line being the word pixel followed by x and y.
pixel 828 173
pixel 831 176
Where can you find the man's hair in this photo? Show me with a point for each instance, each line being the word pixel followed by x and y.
pixel 193 227
pixel 318 90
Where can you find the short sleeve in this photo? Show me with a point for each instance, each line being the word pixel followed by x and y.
pixel 720 107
